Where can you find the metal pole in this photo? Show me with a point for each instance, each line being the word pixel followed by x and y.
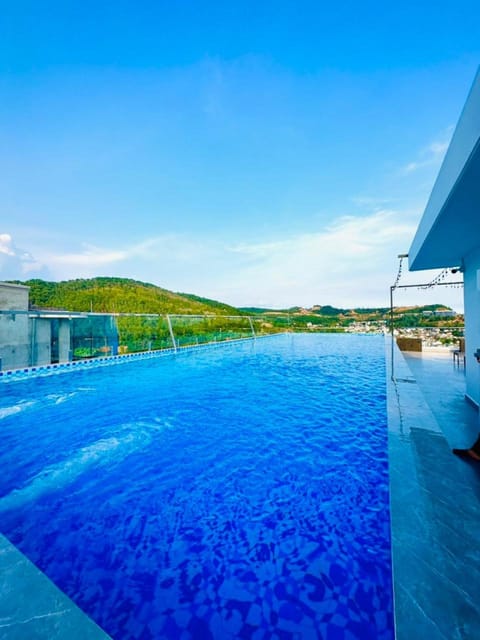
pixel 251 327
pixel 172 335
pixel 391 310
pixel 428 285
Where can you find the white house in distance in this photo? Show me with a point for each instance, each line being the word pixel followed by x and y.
pixel 449 232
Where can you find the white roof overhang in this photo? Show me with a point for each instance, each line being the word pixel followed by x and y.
pixel 450 226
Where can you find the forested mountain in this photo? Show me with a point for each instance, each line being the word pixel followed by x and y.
pixel 124 295
pixel 119 295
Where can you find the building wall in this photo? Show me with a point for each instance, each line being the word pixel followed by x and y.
pixel 14 334
pixel 472 323
pixel 449 226
pixel 40 338
pixel 13 296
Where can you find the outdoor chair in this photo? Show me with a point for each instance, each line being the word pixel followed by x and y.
pixel 459 354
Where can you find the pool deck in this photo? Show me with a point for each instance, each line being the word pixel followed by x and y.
pixel 32 607
pixel 435 498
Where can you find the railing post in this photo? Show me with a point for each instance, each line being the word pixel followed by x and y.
pixel 251 327
pixel 172 335
pixel 391 309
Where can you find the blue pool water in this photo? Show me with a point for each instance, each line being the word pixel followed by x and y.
pixel 233 492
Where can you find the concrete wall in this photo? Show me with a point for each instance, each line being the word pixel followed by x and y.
pixel 13 296
pixel 472 323
pixel 41 337
pixel 14 333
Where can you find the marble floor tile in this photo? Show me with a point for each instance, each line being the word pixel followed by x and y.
pixel 435 499
pixel 31 606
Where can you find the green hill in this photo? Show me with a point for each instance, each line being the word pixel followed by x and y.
pixel 255 310
pixel 124 295
pixel 119 295
pixel 215 306
pixel 328 310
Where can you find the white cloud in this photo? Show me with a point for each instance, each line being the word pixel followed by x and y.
pixel 95 260
pixel 430 156
pixel 15 263
pixel 371 202
pixel 91 258
pixel 6 244
pixel 350 263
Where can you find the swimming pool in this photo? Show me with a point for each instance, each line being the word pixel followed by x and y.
pixel 237 492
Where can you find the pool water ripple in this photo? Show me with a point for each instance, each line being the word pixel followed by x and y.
pixel 234 493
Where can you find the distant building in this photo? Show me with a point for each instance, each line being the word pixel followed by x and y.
pixel 449 232
pixel 14 326
pixel 35 337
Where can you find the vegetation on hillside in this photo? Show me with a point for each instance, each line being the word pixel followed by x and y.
pixel 213 304
pixel 119 295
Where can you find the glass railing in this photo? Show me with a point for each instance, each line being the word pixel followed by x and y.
pixel 31 338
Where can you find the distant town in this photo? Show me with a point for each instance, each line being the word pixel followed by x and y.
pixel 436 325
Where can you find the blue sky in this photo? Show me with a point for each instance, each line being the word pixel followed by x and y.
pixel 259 153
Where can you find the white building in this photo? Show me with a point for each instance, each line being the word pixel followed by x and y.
pixel 449 232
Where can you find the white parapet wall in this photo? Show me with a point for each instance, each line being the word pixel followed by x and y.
pixel 448 233
pixel 14 327
pixel 472 327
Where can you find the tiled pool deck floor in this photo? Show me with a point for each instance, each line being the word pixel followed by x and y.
pixel 435 503
pixel 31 606
pixel 435 499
